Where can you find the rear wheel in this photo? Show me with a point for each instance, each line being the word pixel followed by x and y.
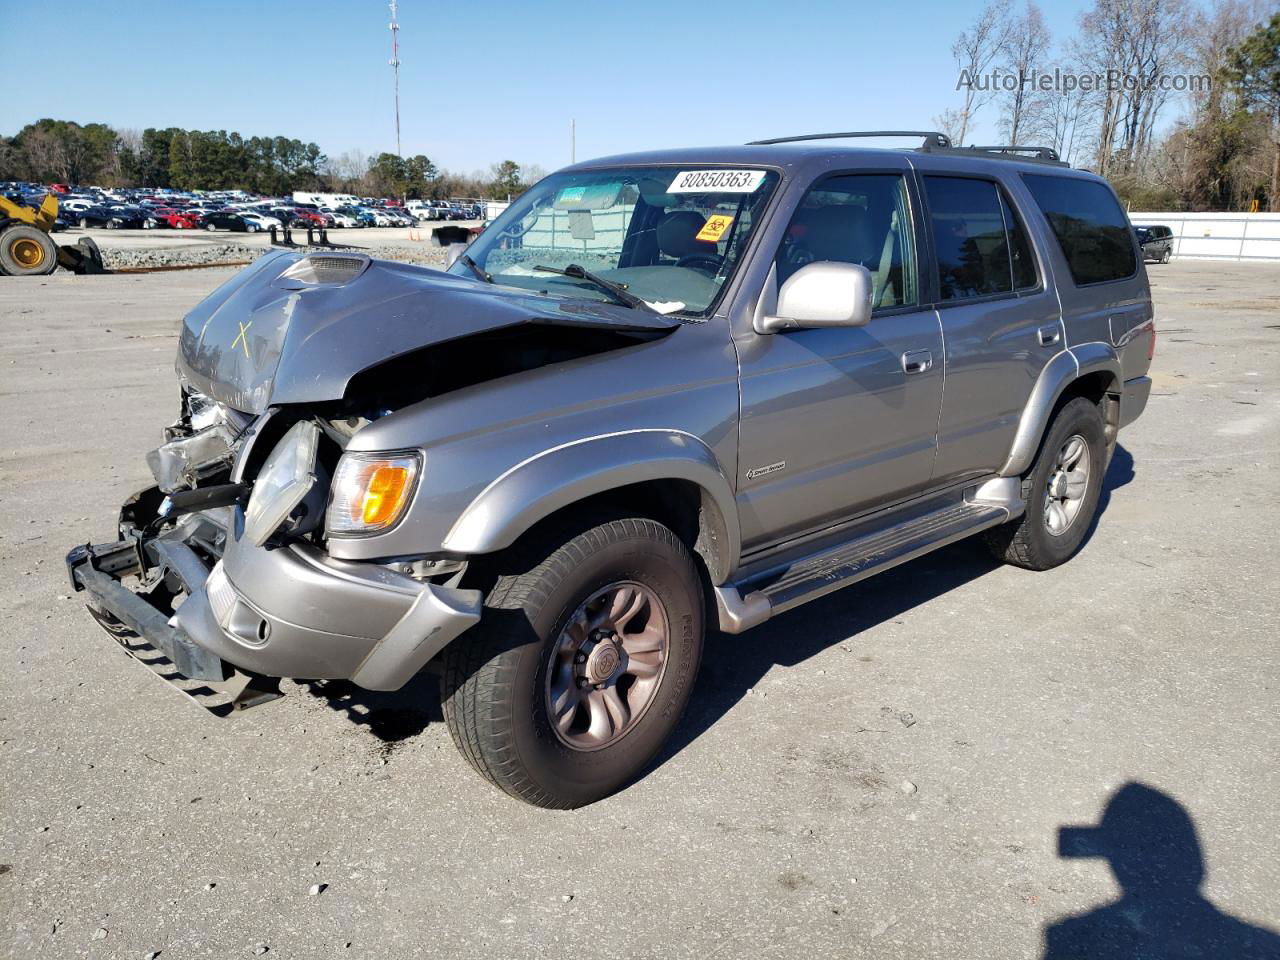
pixel 1166 256
pixel 27 252
pixel 1061 491
pixel 581 665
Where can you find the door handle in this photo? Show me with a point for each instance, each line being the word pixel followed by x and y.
pixel 917 361
pixel 1050 334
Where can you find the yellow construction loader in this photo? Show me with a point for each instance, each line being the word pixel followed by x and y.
pixel 26 249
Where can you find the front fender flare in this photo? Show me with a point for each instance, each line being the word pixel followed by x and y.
pixel 1060 372
pixel 561 476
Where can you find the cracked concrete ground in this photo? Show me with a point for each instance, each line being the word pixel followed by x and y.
pixel 881 774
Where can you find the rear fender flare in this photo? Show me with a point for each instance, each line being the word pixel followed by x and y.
pixel 566 474
pixel 1059 373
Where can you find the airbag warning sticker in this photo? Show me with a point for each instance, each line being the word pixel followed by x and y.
pixel 716 181
pixel 714 228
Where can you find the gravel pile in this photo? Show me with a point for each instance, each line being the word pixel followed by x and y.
pixel 180 256
pixel 424 256
pixel 116 259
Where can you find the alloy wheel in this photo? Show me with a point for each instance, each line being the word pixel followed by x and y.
pixel 607 665
pixel 1068 482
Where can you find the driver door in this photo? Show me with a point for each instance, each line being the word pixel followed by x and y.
pixel 839 421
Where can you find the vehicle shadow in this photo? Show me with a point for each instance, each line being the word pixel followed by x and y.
pixel 1120 473
pixel 390 717
pixel 1150 842
pixel 732 665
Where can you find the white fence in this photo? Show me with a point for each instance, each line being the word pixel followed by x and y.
pixel 1219 236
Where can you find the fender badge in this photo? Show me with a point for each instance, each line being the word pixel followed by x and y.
pixel 763 471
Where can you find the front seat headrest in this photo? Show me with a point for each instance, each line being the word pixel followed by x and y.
pixel 677 235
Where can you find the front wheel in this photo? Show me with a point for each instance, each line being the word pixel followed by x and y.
pixel 581 666
pixel 1061 491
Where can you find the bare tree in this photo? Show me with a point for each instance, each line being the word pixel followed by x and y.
pixel 1064 120
pixel 974 50
pixel 1131 44
pixel 1024 47
pixel 951 122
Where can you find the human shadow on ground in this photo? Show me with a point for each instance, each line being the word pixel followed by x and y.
pixel 1151 844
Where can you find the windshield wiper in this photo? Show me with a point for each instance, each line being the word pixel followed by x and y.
pixel 616 290
pixel 475 268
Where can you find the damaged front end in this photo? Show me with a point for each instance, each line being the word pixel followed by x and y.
pixel 220 567
pixel 223 565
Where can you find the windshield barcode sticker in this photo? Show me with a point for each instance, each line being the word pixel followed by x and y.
pixel 716 181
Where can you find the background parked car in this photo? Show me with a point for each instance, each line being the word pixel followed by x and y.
pixel 1156 241
pixel 177 219
pixel 227 220
pixel 310 218
pixel 264 220
pixel 115 218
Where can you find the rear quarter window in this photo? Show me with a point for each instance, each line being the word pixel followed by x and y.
pixel 1089 225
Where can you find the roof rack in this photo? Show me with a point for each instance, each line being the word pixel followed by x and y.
pixel 932 138
pixel 1007 152
pixel 935 142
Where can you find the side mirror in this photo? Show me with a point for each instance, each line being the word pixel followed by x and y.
pixel 824 294
pixel 452 253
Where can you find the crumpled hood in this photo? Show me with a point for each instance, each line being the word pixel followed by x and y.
pixel 261 340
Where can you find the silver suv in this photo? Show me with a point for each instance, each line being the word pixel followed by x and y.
pixel 662 392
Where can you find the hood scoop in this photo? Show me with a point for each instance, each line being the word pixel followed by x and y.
pixel 323 269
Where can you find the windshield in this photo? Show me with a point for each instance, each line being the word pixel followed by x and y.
pixel 671 236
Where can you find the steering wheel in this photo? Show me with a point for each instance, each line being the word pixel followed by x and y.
pixel 709 261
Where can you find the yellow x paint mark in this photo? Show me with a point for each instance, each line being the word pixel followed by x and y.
pixel 242 339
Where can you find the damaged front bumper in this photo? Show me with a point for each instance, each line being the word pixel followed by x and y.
pixel 273 611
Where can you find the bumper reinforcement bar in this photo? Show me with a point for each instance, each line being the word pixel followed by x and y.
pixel 96 570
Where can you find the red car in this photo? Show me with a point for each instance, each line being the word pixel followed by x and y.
pixel 178 219
pixel 307 218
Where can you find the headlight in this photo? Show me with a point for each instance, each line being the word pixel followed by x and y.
pixel 283 481
pixel 370 492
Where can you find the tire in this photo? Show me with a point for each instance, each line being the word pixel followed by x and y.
pixel 84 223
pixel 210 227
pixel 1166 256
pixel 27 252
pixel 499 682
pixel 1030 541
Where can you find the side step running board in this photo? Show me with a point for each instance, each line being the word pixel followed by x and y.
pixel 742 606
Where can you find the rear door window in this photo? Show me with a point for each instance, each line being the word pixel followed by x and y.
pixel 1089 225
pixel 981 245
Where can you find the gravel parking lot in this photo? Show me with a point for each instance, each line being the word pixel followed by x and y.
pixel 883 773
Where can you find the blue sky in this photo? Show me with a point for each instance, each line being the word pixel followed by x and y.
pixel 481 82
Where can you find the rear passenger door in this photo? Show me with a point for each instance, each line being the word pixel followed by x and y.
pixel 1000 320
pixel 1107 296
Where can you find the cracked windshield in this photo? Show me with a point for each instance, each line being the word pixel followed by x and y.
pixel 659 238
